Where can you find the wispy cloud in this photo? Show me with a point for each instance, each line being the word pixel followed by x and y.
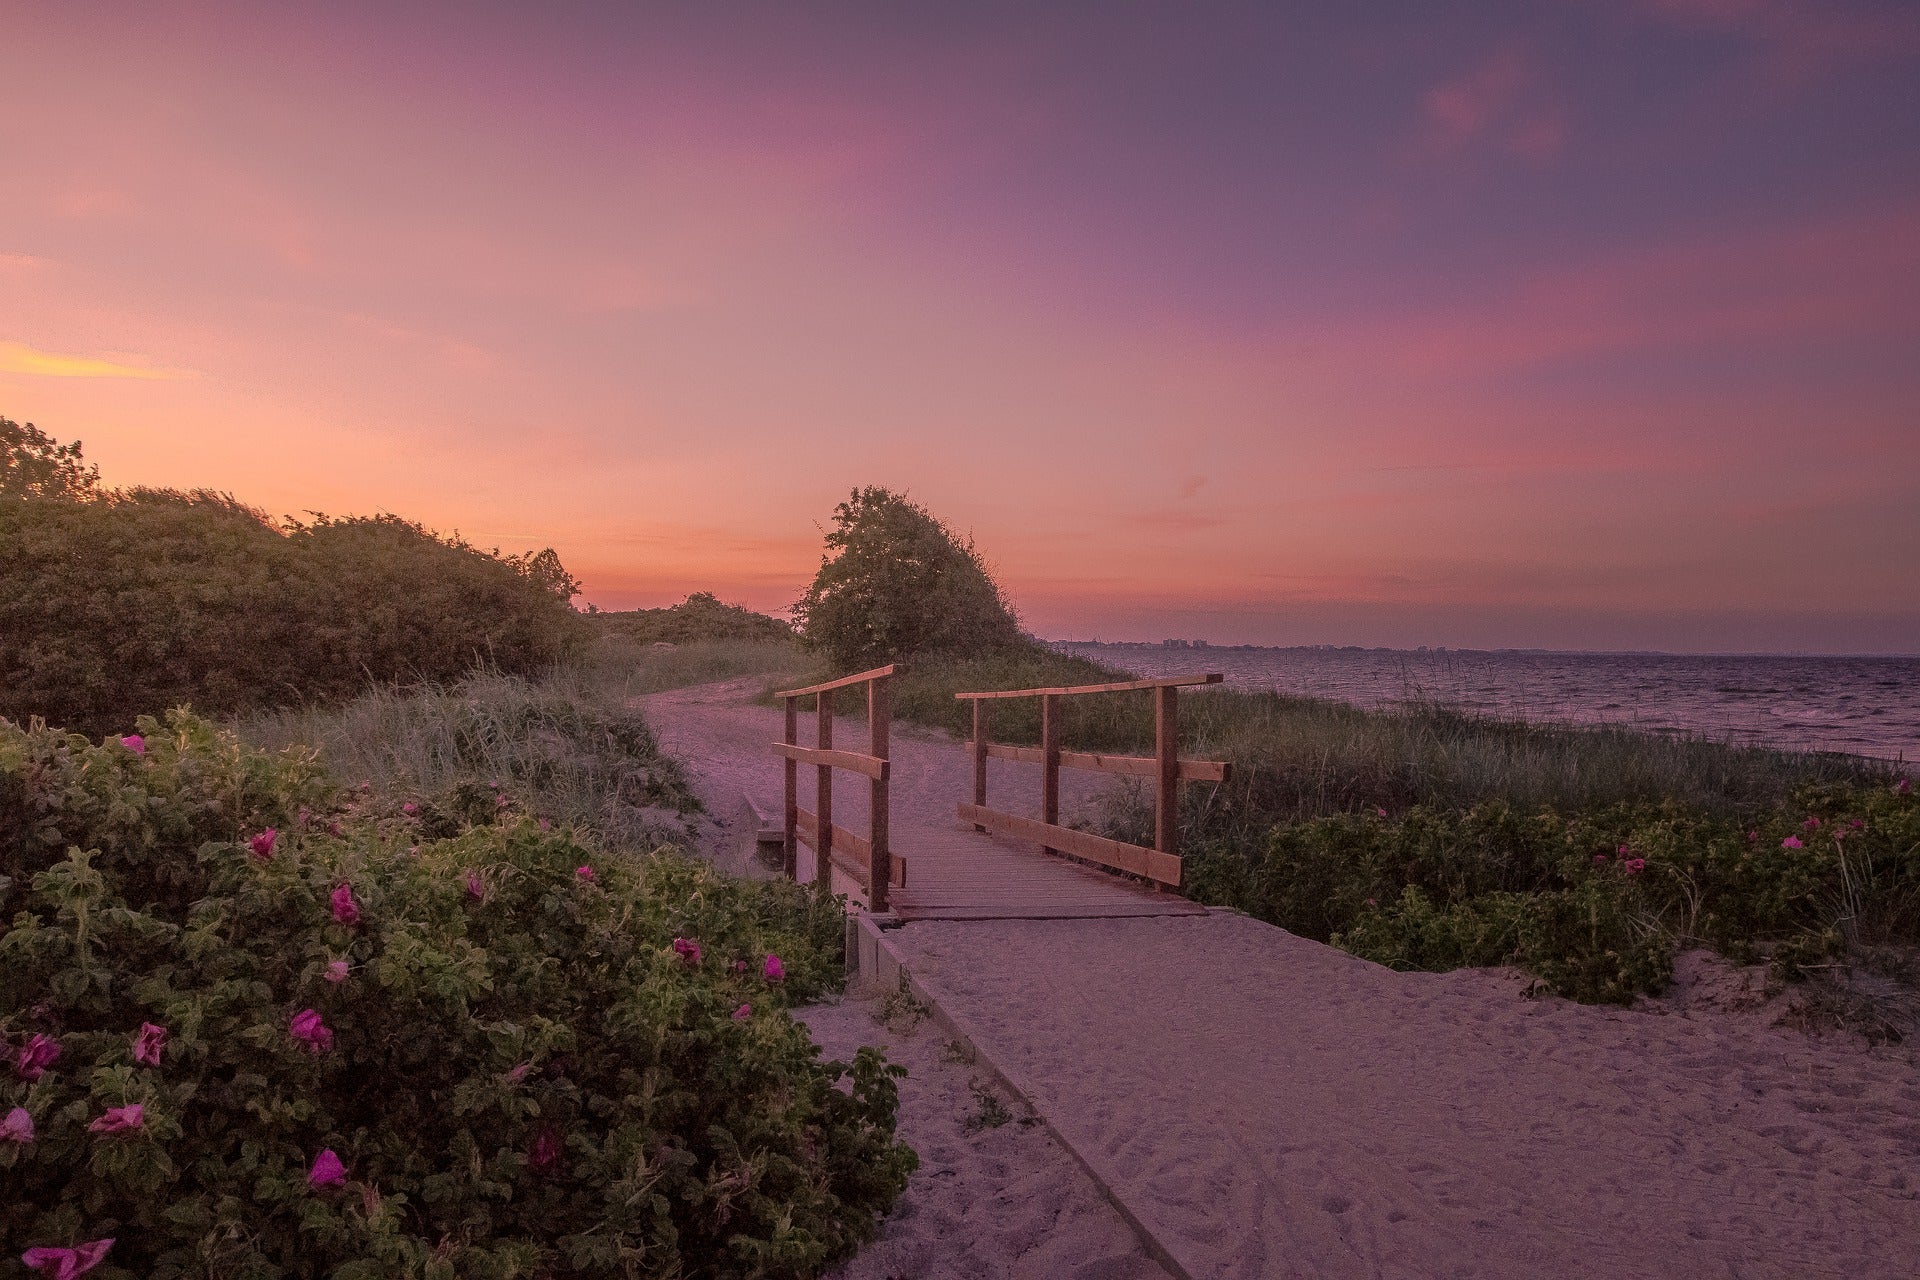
pixel 1500 101
pixel 18 357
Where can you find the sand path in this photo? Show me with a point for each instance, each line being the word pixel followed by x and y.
pixel 1267 1106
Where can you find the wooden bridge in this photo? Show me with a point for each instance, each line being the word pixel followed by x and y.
pixel 975 862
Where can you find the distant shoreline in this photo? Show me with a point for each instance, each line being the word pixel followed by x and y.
pixel 1204 646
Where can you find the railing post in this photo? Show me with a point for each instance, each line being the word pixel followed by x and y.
pixel 1050 764
pixel 823 845
pixel 980 755
pixel 790 845
pixel 1166 750
pixel 880 864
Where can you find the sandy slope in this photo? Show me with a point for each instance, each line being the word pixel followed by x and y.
pixel 1277 1108
pixel 985 1202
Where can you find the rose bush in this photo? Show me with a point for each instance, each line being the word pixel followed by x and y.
pixel 352 1049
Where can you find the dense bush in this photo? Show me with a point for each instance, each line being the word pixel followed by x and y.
pixel 701 616
pixel 255 1029
pixel 1595 903
pixel 34 465
pixel 138 601
pixel 896 582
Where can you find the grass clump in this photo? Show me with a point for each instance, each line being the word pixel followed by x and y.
pixel 264 1028
pixel 570 746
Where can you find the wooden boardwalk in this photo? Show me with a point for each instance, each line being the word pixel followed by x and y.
pixel 959 874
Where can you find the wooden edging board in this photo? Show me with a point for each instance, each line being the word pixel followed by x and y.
pixel 1131 766
pixel 1163 682
pixel 1131 858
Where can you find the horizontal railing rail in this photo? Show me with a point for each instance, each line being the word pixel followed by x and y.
pixel 867 860
pixel 1161 863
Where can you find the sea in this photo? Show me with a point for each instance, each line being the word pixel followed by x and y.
pixel 1867 706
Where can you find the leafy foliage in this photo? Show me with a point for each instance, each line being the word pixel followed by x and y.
pixel 896 582
pixel 701 616
pixel 528 1059
pixel 1592 903
pixel 34 465
pixel 146 599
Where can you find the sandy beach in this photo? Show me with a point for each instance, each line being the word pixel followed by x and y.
pixel 1268 1106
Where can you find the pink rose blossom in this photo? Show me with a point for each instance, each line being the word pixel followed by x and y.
pixel 1902 787
pixel 584 873
pixel 1372 903
pixel 262 844
pixel 308 1028
pixel 17 1127
pixel 687 949
pixel 1635 866
pixel 544 1153
pixel 1812 823
pixel 476 888
pixel 327 1171
pixel 545 825
pixel 337 971
pixel 1599 859
pixel 120 1119
pixel 1792 842
pixel 65 1264
pixel 1622 851
pixel 744 1012
pixel 738 966
pixel 148 1044
pixel 333 828
pixel 345 909
pixel 409 808
pixel 519 1072
pixel 134 743
pixel 36 1056
pixel 1380 813
pixel 773 969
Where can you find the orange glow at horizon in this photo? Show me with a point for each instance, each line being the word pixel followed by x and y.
pixel 1431 335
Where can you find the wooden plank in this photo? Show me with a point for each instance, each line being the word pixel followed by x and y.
pixel 1130 766
pixel 1050 759
pixel 879 741
pixel 1166 789
pixel 1132 858
pixel 823 786
pixel 790 769
pixel 981 749
pixel 1164 682
pixel 850 853
pixel 841 683
pixel 852 761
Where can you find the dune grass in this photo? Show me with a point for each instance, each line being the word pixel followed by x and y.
pixel 568 745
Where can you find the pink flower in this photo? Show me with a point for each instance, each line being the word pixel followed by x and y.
pixel 308 1028
pixel 1811 823
pixel 36 1056
pixel 1792 842
pixel 545 825
pixel 476 888
pixel 409 808
pixel 1902 787
pixel 17 1127
pixel 134 743
pixel 327 1171
pixel 1635 866
pixel 1599 859
pixel 120 1119
pixel 688 950
pixel 1857 824
pixel 333 828
pixel 262 844
pixel 1622 851
pixel 519 1072
pixel 773 969
pixel 584 873
pixel 336 971
pixel 1380 813
pixel 1372 903
pixel 65 1264
pixel 544 1153
pixel 148 1044
pixel 500 801
pixel 744 1012
pixel 345 909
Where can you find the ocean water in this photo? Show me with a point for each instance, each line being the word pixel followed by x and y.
pixel 1868 706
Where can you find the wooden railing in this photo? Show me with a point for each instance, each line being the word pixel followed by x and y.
pixel 1161 863
pixel 869 861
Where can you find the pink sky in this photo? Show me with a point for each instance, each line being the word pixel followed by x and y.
pixel 1593 327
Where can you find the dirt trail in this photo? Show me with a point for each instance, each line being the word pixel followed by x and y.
pixel 1271 1107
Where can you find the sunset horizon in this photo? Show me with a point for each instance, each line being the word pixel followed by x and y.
pixel 1583 327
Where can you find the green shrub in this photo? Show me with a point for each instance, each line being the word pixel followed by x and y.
pixel 33 465
pixel 701 616
pixel 508 1041
pixel 145 600
pixel 895 582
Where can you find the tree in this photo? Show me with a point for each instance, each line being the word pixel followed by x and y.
pixel 32 465
pixel 896 582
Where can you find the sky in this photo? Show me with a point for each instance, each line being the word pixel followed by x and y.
pixel 1589 325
